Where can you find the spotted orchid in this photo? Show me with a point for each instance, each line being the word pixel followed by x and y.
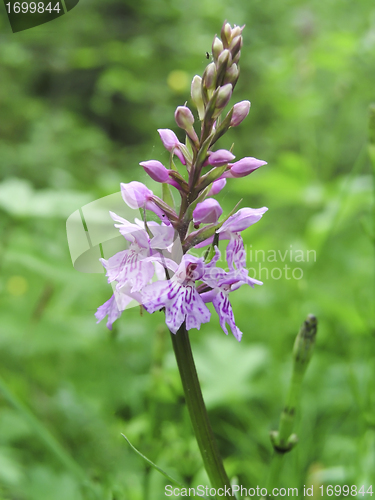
pixel 158 269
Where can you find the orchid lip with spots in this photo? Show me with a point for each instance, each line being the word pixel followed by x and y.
pixel 158 269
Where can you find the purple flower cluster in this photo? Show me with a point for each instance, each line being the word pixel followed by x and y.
pixel 151 271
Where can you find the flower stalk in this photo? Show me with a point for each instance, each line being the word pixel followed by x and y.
pixel 197 411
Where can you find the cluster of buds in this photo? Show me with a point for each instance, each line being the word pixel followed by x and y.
pixel 197 219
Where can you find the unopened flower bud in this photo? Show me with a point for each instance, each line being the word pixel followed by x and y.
pixel 235 45
pixel 171 143
pixel 207 212
pixel 243 167
pixel 185 120
pixel 240 112
pixel 217 48
pixel 156 170
pixel 304 343
pixel 196 95
pixel 220 157
pixel 216 187
pixel 226 34
pixel 224 58
pixel 209 76
pixel 231 76
pixel 224 95
pixel 184 117
pixel 237 31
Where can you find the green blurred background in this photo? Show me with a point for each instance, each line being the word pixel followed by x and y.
pixel 81 99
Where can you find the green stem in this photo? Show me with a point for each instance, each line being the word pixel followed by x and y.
pixel 288 413
pixel 198 413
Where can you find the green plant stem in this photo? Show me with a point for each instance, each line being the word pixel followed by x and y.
pixel 288 413
pixel 197 411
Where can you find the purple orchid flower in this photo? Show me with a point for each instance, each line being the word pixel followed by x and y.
pixel 130 266
pixel 241 220
pixel 221 284
pixel 178 295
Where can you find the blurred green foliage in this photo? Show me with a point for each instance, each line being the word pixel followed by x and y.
pixel 81 99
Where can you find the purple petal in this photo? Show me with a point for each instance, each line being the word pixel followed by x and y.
pixel 112 308
pixel 225 312
pixel 196 310
pixel 163 236
pixel 242 219
pixel 129 266
pixel 135 194
pixel 235 252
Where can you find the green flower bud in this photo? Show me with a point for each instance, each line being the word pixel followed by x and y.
pixel 226 34
pixel 196 95
pixel 224 95
pixel 304 343
pixel 232 74
pixel 209 76
pixel 224 61
pixel 224 58
pixel 217 48
pixel 185 120
pixel 235 46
